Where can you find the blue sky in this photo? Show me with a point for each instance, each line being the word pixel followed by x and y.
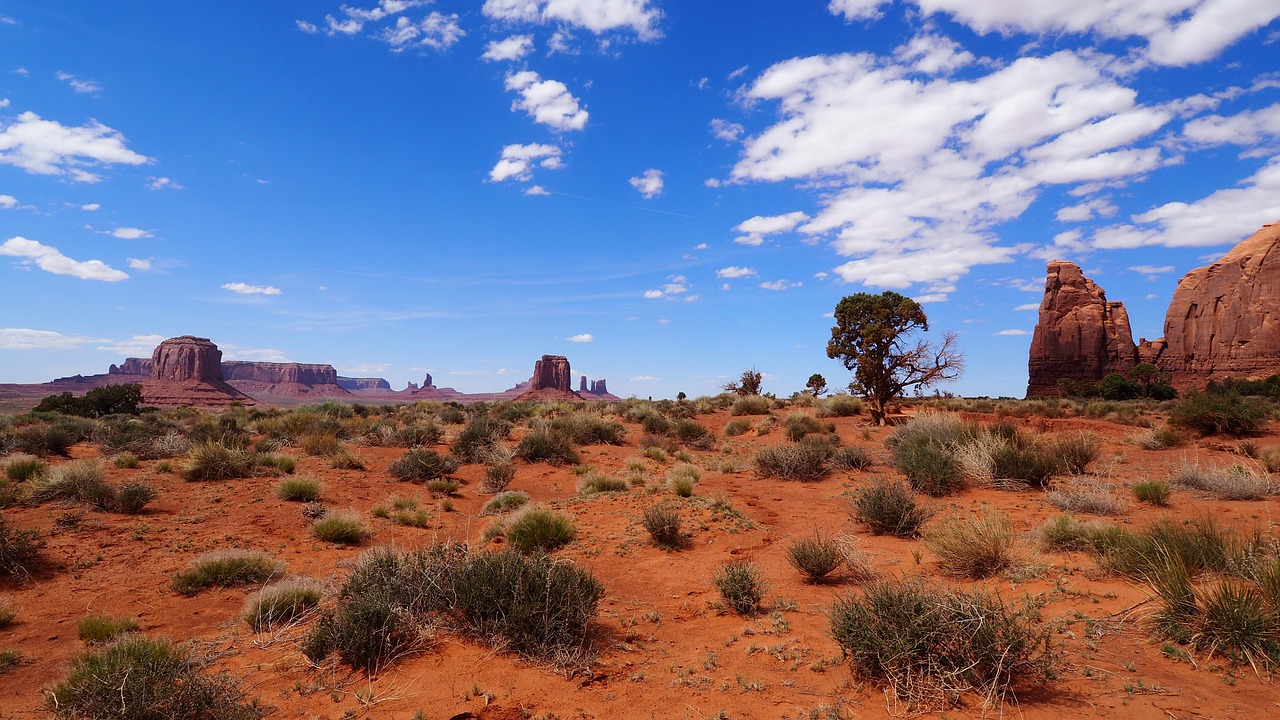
pixel 667 193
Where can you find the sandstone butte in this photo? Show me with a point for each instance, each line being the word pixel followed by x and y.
pixel 1221 322
pixel 551 380
pixel 187 370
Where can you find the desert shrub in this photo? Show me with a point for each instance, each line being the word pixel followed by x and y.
pixel 81 480
pixel 1153 492
pixel 655 423
pixel 226 568
pixel 225 430
pixel 442 487
pixel 1226 413
pixel 929 467
pixel 422 465
pixel 1201 545
pixel 815 557
pixel 750 405
pixel 21 550
pixel 505 501
pixel 321 444
pixel 793 461
pixel 418 518
pixel 889 508
pixel 849 459
pixel 21 468
pixel 734 428
pixel 1235 482
pixel 662 520
pixel 930 643
pixel 340 526
pixel 55 438
pixel 933 427
pixel 478 436
pixel 840 406
pixel 539 529
pixel 300 488
pixel 284 463
pixel 97 629
pixel 125 461
pixel 593 482
pixel 281 603
pixel 693 434
pixel 1160 438
pixel 216 461
pixel 741 586
pixel 497 477
pixel 11 493
pixel 1033 465
pixel 1066 533
pixel 585 428
pixel 547 445
pixel 346 460
pixel 132 497
pixel 975 547
pixel 7 612
pixel 658 447
pixel 416 434
pixel 798 425
pixel 1074 453
pixel 122 399
pixel 1093 498
pixel 142 678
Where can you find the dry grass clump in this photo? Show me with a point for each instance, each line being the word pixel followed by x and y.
pixel 21 550
pixel 839 406
pixel 663 522
pixel 341 526
pixel 932 643
pixel 592 483
pixel 683 479
pixel 504 502
pixel 97 629
pixel 849 459
pixel 586 428
pixel 544 444
pixel 215 461
pixel 22 468
pixel 422 465
pixel 82 480
pixel 751 405
pixel 1153 492
pixel 815 557
pixel 741 585
pixel 499 469
pixel 478 437
pixel 7 611
pixel 226 568
pixel 283 463
pixel 1236 482
pixel 793 461
pixel 536 529
pixel 301 488
pixel 1160 438
pixel 693 434
pixel 889 508
pixel 974 547
pixel 1067 534
pixel 281 604
pixel 734 428
pixel 1087 496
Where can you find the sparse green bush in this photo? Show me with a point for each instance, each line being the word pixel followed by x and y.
pixel 974 547
pixel 281 603
pixel 1153 492
pixel 442 487
pixel 215 461
pixel 1067 534
pixel 417 434
pixel 793 461
pixel 693 434
pixel 284 463
pixel 593 482
pixel 479 435
pixel 132 497
pixel 82 480
pixel 930 467
pixel 799 425
pixel 1090 497
pixel 539 529
pixel 226 568
pixel 505 502
pixel 340 526
pixel 346 460
pixel 142 678
pixel 22 468
pixel 840 406
pixel 1160 438
pixel 1226 413
pixel 849 459
pixel 300 488
pixel 585 428
pixel 890 508
pixel 497 476
pixel 125 461
pixel 422 465
pixel 1033 465
pixel 1074 453
pixel 815 557
pixel 1234 482
pixel 547 445
pixel 751 405
pixel 97 629
pixel 734 428
pixel 741 586
pixel 21 550
pixel 930 642
pixel 662 520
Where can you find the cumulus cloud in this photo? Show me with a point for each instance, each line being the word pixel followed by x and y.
pixel 727 131
pixel 1152 269
pixel 28 339
pixel 8 202
pixel 78 85
pixel 47 147
pixel 130 233
pixel 140 264
pixel 1013 332
pixel 780 285
pixel 581 338
pixel 649 183
pixel 536 190
pixel 246 289
pixel 51 260
pixel 1246 128
pixel 760 226
pixel 675 285
pixel 512 48
pixel 1034 307
pixel 597 16
pixel 231 351
pixel 1177 32
pixel 162 183
pixel 90 207
pixel 1087 210
pixel 734 271
pixel 436 31
pixel 135 346
pixel 548 102
pixel 517 162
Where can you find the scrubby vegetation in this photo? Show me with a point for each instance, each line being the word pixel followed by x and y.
pixel 21 550
pixel 663 522
pixel 422 465
pixel 226 568
pixel 889 508
pixel 281 603
pixel 741 586
pixel 794 461
pixel 815 557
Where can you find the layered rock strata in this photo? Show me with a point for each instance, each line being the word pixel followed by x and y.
pixel 1080 335
pixel 187 371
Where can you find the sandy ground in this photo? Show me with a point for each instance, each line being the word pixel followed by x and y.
pixel 666 649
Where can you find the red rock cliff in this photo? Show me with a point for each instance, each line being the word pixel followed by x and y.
pixel 1080 334
pixel 188 371
pixel 278 373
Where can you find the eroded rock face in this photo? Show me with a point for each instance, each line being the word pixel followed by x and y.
pixel 132 366
pixel 279 373
pixel 1224 319
pixel 1080 334
pixel 187 358
pixel 551 373
pixel 598 387
pixel 347 383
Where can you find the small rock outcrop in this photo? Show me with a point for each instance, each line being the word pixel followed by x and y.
pixel 551 380
pixel 1224 319
pixel 582 386
pixel 361 384
pixel 187 371
pixel 598 387
pixel 132 366
pixel 1080 335
pixel 427 381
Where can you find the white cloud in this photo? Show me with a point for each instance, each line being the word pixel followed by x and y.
pixel 140 264
pixel 517 161
pixel 1152 269
pixel 1225 216
pixel 8 202
pixel 760 226
pixel 1033 307
pixel 436 31
pixel 1013 332
pixel 367 368
pixel 598 16
pixel 306 27
pixel 47 147
pixel 357 17
pixel 643 378
pixel 90 207
pixel 512 48
pixel 548 102
pixel 734 271
pixel 1246 128
pixel 675 285
pixel 130 233
pixel 27 339
pixel 1087 210
pixel 1178 32
pixel 701 246
pixel 536 190
pixel 162 183
pixel 78 85
pixel 727 131
pixel 780 285
pixel 649 183
pixel 4 102
pixel 136 346
pixel 581 338
pixel 231 351
pixel 246 289
pixel 51 260
pixel 652 294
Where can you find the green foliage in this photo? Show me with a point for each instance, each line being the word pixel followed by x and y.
pixel 593 482
pixel 793 461
pixel 284 463
pixel 132 497
pixel 929 642
pixel 974 547
pixel 890 508
pixel 751 405
pixel 340 526
pixel 81 480
pixel 280 604
pixel 141 678
pixel 422 465
pixel 849 459
pixel 692 434
pixel 585 428
pixel 547 445
pixel 300 488
pixel 815 557
pixel 1034 465
pixel 929 466
pixel 417 434
pixel 215 461
pixel 799 425
pixel 741 586
pixel 21 550
pixel 98 402
pixel 663 522
pixel 478 437
pixel 1115 386
pixel 321 444
pixel 21 468
pixel 1225 413
pixel 1153 492
pixel 840 406
pixel 97 629
pixel 539 530
pixel 816 385
pixel 747 385
pixel 734 428
pixel 226 568
pixel 505 502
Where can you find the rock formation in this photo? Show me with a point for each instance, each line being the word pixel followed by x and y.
pixel 427 382
pixel 1080 335
pixel 551 378
pixel 582 387
pixel 188 371
pixel 360 384
pixel 132 366
pixel 283 379
pixel 598 387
